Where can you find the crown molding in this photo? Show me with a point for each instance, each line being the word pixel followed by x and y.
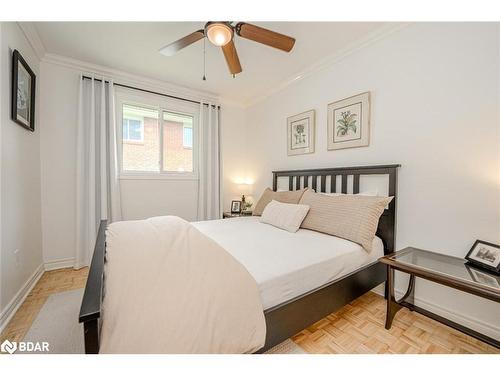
pixel 30 32
pixel 168 88
pixel 331 60
pixel 130 79
pixel 225 101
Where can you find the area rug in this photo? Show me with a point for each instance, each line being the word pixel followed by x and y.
pixel 57 324
pixel 286 347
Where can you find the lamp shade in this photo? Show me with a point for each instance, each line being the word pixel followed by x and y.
pixel 245 189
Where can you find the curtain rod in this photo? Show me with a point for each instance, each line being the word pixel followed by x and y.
pixel 153 92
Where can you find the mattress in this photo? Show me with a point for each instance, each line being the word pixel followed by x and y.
pixel 286 265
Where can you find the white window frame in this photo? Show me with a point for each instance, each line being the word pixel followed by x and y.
pixel 161 104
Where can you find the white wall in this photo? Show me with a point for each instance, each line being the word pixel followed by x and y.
pixel 234 153
pixel 141 198
pixel 20 183
pixel 435 110
pixel 58 113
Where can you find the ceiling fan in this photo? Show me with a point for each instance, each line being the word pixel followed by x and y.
pixel 221 34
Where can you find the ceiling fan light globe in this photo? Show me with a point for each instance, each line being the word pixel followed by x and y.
pixel 219 34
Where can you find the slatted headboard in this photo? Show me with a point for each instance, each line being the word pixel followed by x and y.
pixel 387 223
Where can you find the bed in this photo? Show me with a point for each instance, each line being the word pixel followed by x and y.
pixel 302 280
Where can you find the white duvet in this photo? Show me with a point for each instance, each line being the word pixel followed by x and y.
pixel 171 289
pixel 286 265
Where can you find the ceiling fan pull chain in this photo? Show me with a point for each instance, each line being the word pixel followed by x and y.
pixel 204 60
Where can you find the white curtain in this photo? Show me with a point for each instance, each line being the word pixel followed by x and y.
pixel 97 184
pixel 209 191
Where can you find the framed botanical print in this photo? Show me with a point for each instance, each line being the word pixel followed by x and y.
pixel 485 255
pixel 349 122
pixel 301 133
pixel 23 92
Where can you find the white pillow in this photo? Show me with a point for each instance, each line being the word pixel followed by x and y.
pixel 285 216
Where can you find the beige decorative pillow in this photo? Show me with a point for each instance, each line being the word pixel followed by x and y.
pixel 285 216
pixel 281 196
pixel 353 217
pixel 368 193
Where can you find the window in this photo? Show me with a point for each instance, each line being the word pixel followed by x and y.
pixel 140 146
pixel 133 130
pixel 187 140
pixel 177 142
pixel 157 140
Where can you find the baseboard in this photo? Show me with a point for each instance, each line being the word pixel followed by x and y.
pixel 60 263
pixel 465 320
pixel 379 289
pixel 16 302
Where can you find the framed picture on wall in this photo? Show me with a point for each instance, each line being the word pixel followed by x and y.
pixel 349 122
pixel 301 133
pixel 23 92
pixel 485 255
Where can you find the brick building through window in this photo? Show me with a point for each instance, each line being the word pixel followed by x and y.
pixel 151 141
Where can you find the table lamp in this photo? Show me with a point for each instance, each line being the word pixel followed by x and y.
pixel 244 189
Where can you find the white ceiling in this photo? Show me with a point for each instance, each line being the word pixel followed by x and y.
pixel 133 47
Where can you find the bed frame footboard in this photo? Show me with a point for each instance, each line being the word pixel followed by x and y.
pixel 90 310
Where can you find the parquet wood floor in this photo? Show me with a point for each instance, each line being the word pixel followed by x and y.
pixel 356 328
pixel 51 282
pixel 359 328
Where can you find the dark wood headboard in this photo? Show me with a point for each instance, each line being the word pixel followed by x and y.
pixel 387 223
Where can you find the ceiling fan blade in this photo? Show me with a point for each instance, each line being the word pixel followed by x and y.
pixel 174 47
pixel 233 62
pixel 264 36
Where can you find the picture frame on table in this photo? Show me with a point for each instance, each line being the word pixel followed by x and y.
pixel 235 207
pixel 485 255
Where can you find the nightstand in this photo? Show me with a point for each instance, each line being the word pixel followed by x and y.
pixel 441 269
pixel 228 215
